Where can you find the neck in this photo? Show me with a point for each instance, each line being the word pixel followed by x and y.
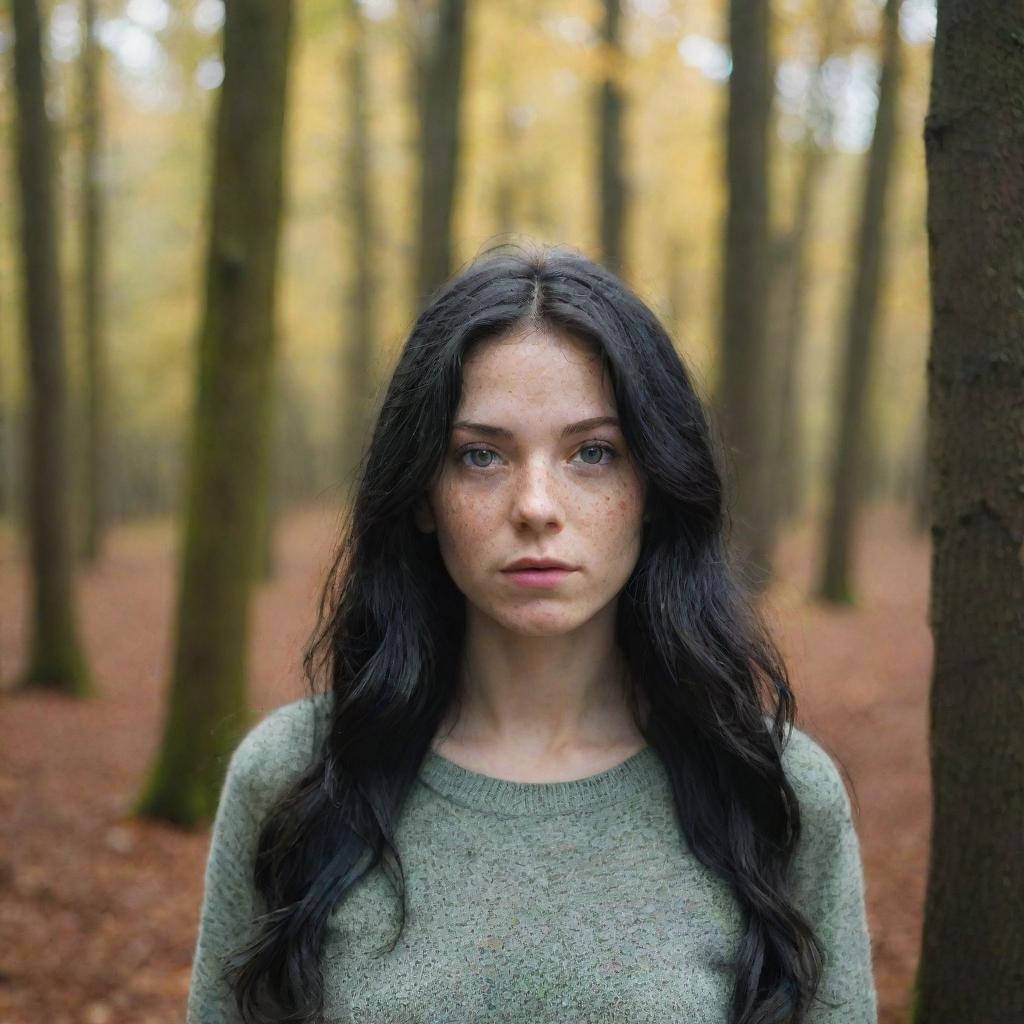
pixel 542 696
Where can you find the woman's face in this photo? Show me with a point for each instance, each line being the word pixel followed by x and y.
pixel 528 475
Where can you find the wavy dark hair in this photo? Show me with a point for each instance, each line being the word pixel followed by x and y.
pixel 388 643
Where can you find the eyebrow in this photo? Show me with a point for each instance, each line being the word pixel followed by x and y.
pixel 568 431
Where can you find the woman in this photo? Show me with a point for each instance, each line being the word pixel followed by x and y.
pixel 550 778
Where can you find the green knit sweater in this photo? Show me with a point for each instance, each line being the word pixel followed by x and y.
pixel 534 903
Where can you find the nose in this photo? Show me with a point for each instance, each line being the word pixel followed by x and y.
pixel 536 501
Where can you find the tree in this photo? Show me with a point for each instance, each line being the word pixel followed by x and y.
pixel 972 956
pixel 793 284
pixel 95 478
pixel 851 453
pixel 440 65
pixel 227 482
pixel 611 178
pixel 741 399
pixel 359 319
pixel 56 660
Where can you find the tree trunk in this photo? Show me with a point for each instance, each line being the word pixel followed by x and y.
pixel 56 660
pixel 95 476
pixel 227 481
pixel 611 177
pixel 441 92
pixel 741 397
pixel 972 957
pixel 790 455
pixel 359 326
pixel 852 430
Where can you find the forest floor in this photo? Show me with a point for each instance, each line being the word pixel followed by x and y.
pixel 98 912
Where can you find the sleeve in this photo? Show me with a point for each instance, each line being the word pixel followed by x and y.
pixel 228 898
pixel 828 884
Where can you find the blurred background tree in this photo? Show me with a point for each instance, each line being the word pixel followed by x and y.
pixel 56 659
pixel 226 497
pixel 744 400
pixel 854 427
pixel 95 460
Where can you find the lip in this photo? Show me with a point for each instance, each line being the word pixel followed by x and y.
pixel 537 563
pixel 538 579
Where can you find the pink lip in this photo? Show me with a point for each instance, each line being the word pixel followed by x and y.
pixel 543 579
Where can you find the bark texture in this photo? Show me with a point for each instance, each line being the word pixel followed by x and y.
pixel 972 959
pixel 227 479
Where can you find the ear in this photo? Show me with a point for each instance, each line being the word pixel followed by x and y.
pixel 423 516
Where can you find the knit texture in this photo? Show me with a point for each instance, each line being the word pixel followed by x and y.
pixel 534 903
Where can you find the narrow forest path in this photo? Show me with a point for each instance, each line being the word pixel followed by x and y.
pixel 98 914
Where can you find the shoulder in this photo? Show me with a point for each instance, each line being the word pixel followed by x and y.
pixel 819 787
pixel 826 872
pixel 279 747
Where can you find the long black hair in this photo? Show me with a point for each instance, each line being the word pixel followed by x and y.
pixel 391 623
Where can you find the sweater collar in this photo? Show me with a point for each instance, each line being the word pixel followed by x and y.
pixel 630 778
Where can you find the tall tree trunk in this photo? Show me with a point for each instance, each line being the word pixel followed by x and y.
pixel 972 957
pixel 611 178
pixel 852 430
pixel 95 505
pixel 227 481
pixel 441 92
pixel 790 455
pixel 359 326
pixel 741 398
pixel 56 658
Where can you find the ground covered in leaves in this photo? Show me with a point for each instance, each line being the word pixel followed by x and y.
pixel 98 912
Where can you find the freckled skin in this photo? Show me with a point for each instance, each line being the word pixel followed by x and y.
pixel 537 494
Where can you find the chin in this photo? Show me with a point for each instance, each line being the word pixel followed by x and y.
pixel 540 623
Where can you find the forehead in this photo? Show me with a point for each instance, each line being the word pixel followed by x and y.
pixel 534 371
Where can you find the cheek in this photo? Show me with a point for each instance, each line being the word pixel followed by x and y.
pixel 621 512
pixel 627 530
pixel 466 522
